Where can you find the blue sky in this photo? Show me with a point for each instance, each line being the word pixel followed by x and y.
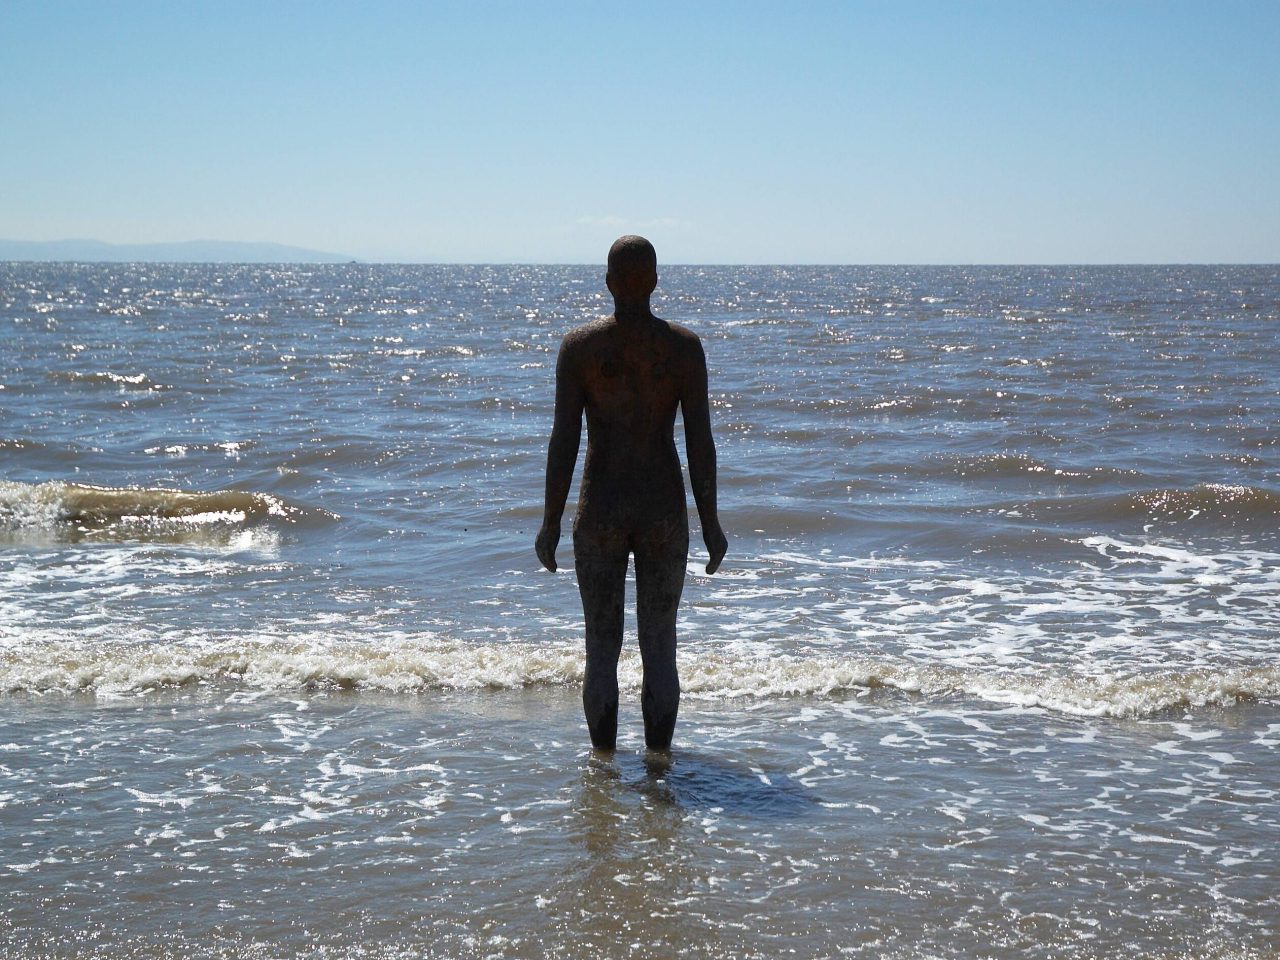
pixel 904 132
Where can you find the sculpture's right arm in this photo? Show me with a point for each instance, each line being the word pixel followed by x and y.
pixel 562 452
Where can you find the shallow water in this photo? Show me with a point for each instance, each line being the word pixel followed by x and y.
pixel 991 668
pixel 477 824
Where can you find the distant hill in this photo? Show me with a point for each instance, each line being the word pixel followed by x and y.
pixel 191 251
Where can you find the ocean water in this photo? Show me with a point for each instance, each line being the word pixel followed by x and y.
pixel 992 667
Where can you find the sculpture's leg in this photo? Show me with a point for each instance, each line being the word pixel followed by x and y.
pixel 659 583
pixel 601 581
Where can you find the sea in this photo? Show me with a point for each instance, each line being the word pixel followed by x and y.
pixel 992 667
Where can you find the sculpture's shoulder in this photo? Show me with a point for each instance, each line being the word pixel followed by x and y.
pixel 688 343
pixel 682 334
pixel 583 337
pixel 581 341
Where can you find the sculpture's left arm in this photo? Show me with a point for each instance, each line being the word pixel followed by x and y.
pixel 700 448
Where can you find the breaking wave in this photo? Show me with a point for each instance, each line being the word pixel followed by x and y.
pixel 427 663
pixel 75 511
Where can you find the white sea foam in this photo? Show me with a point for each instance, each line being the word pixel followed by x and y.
pixel 424 663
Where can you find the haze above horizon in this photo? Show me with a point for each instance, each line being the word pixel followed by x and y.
pixel 919 132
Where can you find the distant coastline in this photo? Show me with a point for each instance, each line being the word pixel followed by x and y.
pixel 190 251
pixel 238 251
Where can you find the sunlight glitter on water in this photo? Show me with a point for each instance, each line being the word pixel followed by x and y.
pixel 991 668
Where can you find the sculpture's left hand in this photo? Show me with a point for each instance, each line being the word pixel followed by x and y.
pixel 545 545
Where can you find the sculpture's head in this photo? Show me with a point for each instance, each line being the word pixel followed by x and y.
pixel 633 268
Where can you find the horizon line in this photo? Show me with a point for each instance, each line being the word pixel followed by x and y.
pixel 294 254
pixel 357 261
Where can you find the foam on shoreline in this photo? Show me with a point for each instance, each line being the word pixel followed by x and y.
pixel 424 664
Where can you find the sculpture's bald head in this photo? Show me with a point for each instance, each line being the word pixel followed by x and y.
pixel 633 269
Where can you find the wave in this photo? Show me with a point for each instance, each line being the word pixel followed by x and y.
pixel 996 465
pixel 1005 465
pixel 1206 502
pixel 233 449
pixel 134 381
pixel 18 444
pixel 424 664
pixel 72 510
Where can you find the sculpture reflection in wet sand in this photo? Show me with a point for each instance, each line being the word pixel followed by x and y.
pixel 629 373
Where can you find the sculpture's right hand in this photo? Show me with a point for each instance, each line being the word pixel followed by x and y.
pixel 545 545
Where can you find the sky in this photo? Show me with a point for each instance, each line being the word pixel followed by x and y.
pixel 798 132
